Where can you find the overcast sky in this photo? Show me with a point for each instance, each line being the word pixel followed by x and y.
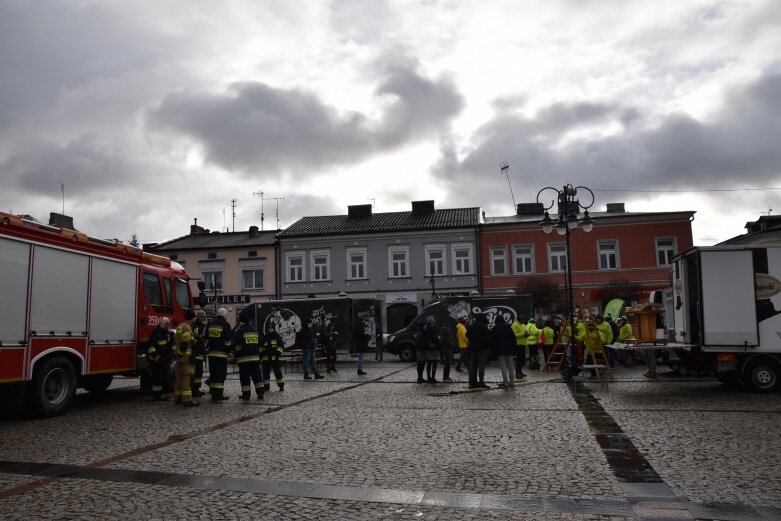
pixel 155 113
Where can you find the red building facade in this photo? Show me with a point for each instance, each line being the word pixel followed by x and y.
pixel 626 255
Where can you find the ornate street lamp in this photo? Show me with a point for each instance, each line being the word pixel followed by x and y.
pixel 569 207
pixel 433 289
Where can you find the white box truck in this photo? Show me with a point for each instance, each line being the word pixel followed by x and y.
pixel 726 302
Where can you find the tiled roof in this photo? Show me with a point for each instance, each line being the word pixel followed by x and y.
pixel 383 222
pixel 217 240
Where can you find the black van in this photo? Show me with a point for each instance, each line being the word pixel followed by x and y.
pixel 447 312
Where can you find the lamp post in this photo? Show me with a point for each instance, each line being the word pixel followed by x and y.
pixel 433 289
pixel 569 207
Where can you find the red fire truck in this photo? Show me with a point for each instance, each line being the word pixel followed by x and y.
pixel 75 311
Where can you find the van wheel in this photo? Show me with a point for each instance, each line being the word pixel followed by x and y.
pixel 407 354
pixel 97 383
pixel 53 386
pixel 762 375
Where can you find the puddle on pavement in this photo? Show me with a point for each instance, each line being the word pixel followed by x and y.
pixel 627 463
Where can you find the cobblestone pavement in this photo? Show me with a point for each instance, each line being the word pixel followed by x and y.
pixel 384 447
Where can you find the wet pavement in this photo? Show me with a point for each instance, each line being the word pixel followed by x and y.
pixel 384 447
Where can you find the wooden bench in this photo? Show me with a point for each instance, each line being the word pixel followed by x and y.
pixel 295 359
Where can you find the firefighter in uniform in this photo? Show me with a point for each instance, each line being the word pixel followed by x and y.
pixel 199 352
pixel 270 348
pixel 158 352
pixel 246 344
pixel 219 336
pixel 183 350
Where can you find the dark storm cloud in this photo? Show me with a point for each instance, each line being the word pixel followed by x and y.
pixel 254 126
pixel 86 166
pixel 737 147
pixel 50 47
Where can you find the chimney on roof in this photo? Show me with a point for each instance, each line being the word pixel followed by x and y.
pixel 529 209
pixel 253 231
pixel 61 221
pixel 197 230
pixel 615 208
pixel 357 211
pixel 422 207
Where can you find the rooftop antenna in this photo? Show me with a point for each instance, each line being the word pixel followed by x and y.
pixel 233 210
pixel 224 228
pixel 261 207
pixel 277 199
pixel 62 188
pixel 505 169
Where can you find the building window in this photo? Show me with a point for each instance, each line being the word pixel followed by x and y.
pixel 252 279
pixel 523 258
pixel 321 265
pixel 608 255
pixel 462 259
pixel 295 267
pixel 356 264
pixel 665 250
pixel 253 274
pixel 557 257
pixel 211 255
pixel 252 253
pixel 498 260
pixel 435 261
pixel 213 280
pixel 398 260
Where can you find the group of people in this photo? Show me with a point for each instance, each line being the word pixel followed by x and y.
pixel 512 342
pixel 257 354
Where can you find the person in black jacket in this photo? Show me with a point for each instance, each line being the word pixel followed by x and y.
pixel 219 339
pixel 448 343
pixel 330 338
pixel 360 343
pixel 158 352
pixel 199 352
pixel 246 344
pixel 479 345
pixel 431 348
pixel 271 346
pixel 504 348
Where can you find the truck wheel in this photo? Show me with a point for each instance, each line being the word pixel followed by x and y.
pixel 53 386
pixel 97 383
pixel 762 375
pixel 407 354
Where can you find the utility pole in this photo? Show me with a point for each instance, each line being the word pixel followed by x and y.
pixel 233 210
pixel 505 169
pixel 62 188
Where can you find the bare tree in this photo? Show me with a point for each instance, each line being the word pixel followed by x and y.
pixel 545 294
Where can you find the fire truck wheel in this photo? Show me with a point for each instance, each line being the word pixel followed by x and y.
pixel 762 375
pixel 97 383
pixel 53 386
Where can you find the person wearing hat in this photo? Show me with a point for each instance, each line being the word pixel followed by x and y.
pixel 219 341
pixel 593 339
pixel 246 344
pixel 158 352
pixel 183 350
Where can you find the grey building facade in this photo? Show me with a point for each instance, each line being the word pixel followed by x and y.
pixel 404 259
